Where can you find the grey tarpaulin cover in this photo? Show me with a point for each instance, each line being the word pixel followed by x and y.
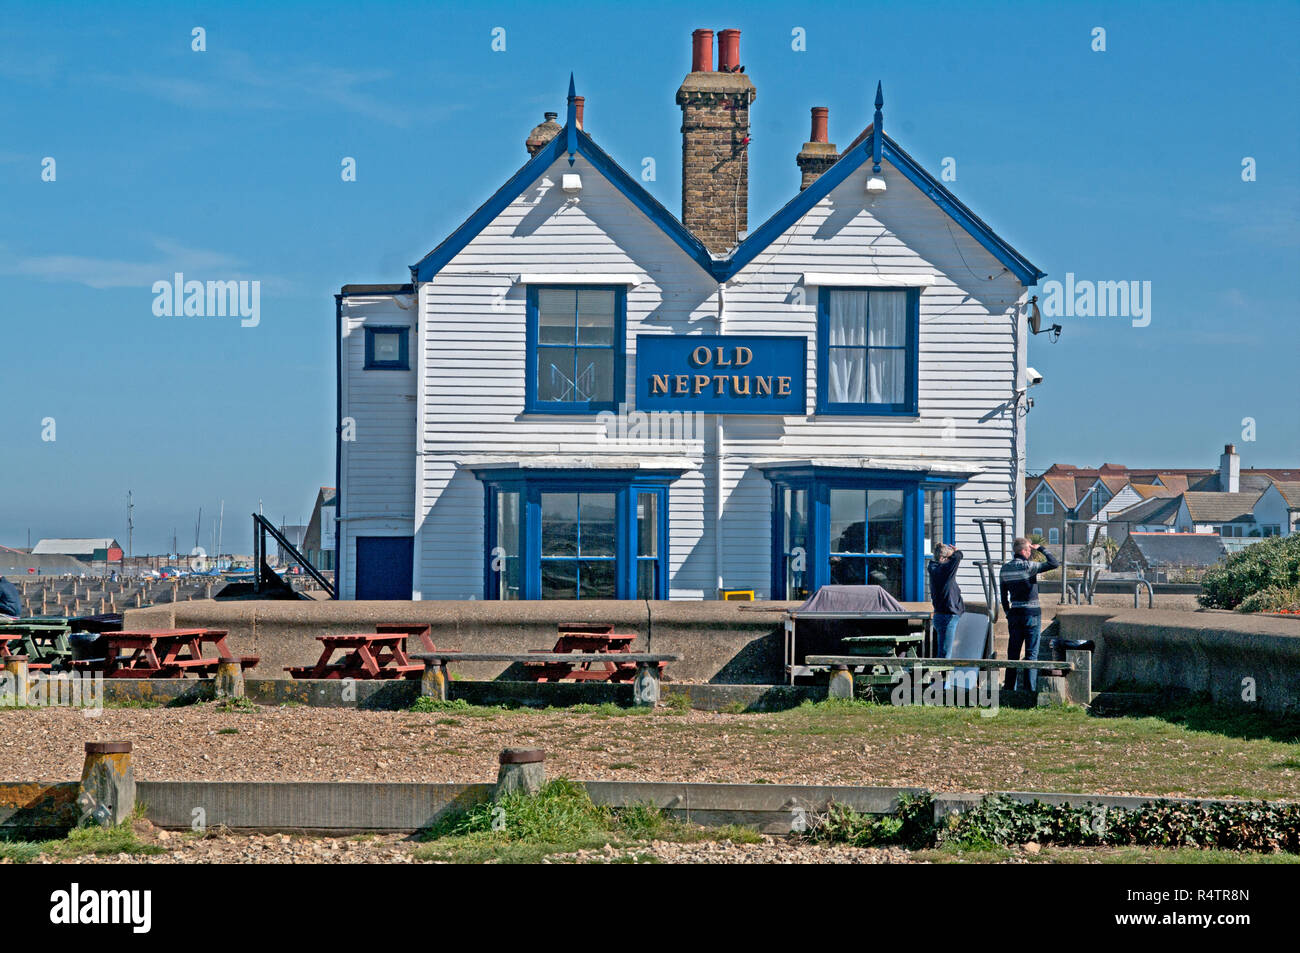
pixel 851 599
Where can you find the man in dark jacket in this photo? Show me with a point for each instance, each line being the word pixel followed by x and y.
pixel 11 602
pixel 1019 584
pixel 945 596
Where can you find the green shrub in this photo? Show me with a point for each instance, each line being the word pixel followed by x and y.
pixel 1270 564
pixel 1272 599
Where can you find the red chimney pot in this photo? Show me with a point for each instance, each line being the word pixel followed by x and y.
pixel 578 103
pixel 820 114
pixel 702 51
pixel 729 51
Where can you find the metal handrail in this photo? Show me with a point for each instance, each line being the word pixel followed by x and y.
pixel 262 526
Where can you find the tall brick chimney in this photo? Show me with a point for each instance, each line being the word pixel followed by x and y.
pixel 817 154
pixel 715 142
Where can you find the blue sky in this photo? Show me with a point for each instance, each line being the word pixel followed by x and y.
pixel 1117 165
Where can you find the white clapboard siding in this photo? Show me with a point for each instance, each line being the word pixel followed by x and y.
pixel 471 352
pixel 378 467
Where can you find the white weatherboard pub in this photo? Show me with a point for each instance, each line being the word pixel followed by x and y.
pixel 580 396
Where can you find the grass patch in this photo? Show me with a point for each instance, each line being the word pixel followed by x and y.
pixel 227 731
pixel 560 819
pixel 133 703
pixel 80 842
pixel 604 710
pixel 231 705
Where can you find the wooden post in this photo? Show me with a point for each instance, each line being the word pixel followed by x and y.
pixel 107 783
pixel 230 678
pixel 433 683
pixel 13 683
pixel 522 769
pixel 1078 684
pixel 841 684
pixel 645 686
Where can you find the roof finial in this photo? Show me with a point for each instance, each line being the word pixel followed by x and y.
pixel 571 123
pixel 877 130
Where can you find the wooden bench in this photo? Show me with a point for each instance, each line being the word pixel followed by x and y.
pixel 365 655
pixel 645 683
pixel 1059 681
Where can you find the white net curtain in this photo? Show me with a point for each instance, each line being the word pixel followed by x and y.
pixel 867 347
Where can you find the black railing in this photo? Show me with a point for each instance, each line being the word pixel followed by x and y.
pixel 262 572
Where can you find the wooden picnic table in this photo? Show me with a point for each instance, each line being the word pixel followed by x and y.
pixel 43 641
pixel 909 617
pixel 421 630
pixel 586 638
pixel 161 653
pixel 365 655
pixel 647 666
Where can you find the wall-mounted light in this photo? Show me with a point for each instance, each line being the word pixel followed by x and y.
pixel 571 183
pixel 876 185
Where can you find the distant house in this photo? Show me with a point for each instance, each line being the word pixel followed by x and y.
pixel 1226 514
pixel 1157 555
pixel 99 549
pixel 1159 514
pixel 1290 493
pixel 318 544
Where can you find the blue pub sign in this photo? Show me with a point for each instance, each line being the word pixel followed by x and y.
pixel 722 373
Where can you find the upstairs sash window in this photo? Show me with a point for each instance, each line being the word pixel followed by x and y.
pixel 575 349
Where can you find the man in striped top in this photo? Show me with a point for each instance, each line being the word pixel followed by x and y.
pixel 1019 584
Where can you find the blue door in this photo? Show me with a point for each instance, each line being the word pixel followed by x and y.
pixel 384 567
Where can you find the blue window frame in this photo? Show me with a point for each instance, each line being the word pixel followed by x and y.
pixel 576 535
pixel 868 341
pixel 843 527
pixel 387 348
pixel 576 341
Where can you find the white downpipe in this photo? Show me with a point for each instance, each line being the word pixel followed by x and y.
pixel 718 469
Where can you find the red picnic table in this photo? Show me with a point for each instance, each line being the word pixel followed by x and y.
pixel 161 653
pixel 366 655
pixel 587 638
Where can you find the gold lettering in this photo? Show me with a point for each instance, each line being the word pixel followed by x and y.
pixel 658 383
pixel 736 388
pixel 720 383
pixel 722 353
pixel 683 382
pixel 743 356
pixel 762 386
pixel 701 382
pixel 783 387
pixel 697 359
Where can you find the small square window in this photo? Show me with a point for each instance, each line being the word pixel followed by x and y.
pixel 386 349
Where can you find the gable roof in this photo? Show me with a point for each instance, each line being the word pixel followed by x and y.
pixel 1161 510
pixel 583 145
pixel 82 546
pixel 1150 491
pixel 1290 490
pixel 1221 507
pixel 859 152
pixel 1176 549
pixel 573 140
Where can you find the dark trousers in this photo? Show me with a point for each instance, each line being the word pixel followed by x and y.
pixel 1023 627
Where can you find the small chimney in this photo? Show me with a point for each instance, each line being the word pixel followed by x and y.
pixel 578 103
pixel 817 154
pixel 544 133
pixel 1230 470
pixel 702 51
pixel 715 142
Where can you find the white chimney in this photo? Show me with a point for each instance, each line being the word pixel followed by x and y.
pixel 1230 470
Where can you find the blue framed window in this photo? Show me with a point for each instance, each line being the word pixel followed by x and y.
pixel 867 346
pixel 576 343
pixel 1045 506
pixel 576 535
pixel 387 348
pixel 841 527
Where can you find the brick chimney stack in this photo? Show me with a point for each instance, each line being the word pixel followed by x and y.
pixel 715 142
pixel 817 154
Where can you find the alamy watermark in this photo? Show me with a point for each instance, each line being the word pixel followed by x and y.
pixel 963 688
pixel 1098 299
pixel 655 427
pixel 211 299
pixel 82 690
